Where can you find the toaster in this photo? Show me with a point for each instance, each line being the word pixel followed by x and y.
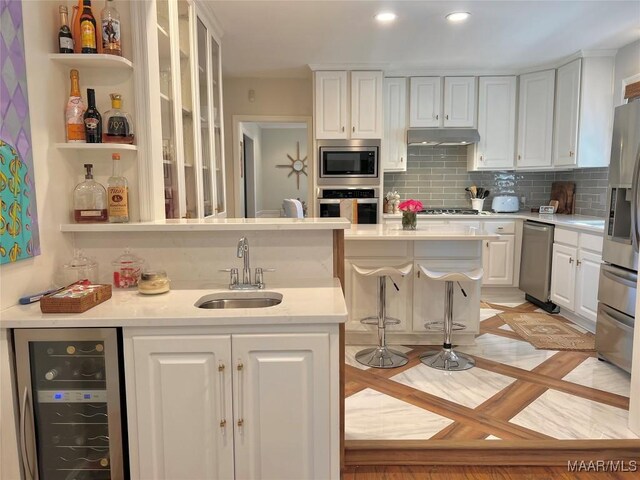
pixel 505 203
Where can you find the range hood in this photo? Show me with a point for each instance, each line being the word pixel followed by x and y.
pixel 442 136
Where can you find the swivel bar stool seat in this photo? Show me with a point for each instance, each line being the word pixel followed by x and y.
pixel 382 356
pixel 447 358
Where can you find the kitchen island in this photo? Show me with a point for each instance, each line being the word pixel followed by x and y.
pixel 210 393
pixel 419 300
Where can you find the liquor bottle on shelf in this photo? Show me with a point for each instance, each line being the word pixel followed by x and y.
pixel 74 112
pixel 110 20
pixel 89 202
pixel 88 29
pixel 65 40
pixel 92 119
pixel 119 126
pixel 118 192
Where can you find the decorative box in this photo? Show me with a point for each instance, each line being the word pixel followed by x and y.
pixel 75 298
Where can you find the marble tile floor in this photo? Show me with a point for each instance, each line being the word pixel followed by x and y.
pixel 515 392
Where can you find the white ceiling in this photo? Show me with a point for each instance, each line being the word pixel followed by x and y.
pixel 280 38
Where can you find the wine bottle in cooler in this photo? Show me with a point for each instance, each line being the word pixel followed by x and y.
pixel 74 111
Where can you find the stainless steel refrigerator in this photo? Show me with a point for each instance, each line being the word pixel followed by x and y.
pixel 619 270
pixel 70 409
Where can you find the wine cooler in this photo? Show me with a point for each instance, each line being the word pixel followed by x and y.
pixel 70 411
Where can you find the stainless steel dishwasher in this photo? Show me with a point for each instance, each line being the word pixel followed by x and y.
pixel 535 264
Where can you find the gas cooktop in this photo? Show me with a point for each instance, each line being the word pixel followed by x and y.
pixel 449 211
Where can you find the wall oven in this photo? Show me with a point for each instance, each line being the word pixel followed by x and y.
pixel 348 162
pixel 70 404
pixel 367 200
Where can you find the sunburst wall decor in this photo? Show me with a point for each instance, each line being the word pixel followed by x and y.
pixel 298 165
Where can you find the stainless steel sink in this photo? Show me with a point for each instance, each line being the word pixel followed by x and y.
pixel 239 300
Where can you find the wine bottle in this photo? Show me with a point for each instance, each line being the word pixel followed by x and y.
pixel 92 119
pixel 118 193
pixel 52 374
pixel 89 204
pixel 110 20
pixel 74 111
pixel 65 40
pixel 119 126
pixel 88 29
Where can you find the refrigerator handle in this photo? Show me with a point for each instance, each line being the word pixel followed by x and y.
pixel 23 438
pixel 635 234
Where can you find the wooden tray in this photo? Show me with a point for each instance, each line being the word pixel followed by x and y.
pixel 76 298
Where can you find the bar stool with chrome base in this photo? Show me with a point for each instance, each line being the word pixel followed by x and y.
pixel 382 356
pixel 447 358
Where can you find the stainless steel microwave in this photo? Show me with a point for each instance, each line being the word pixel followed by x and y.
pixel 350 162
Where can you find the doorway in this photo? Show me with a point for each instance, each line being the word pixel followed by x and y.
pixel 274 162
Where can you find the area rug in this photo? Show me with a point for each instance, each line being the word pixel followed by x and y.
pixel 545 332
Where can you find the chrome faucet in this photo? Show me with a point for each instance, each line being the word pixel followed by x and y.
pixel 243 252
pixel 247 284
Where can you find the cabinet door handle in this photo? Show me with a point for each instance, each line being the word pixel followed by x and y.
pixel 570 153
pixel 578 263
pixel 343 129
pixel 570 259
pixel 240 394
pixel 354 129
pixel 519 157
pixel 500 228
pixel 23 434
pixel 437 116
pixel 446 117
pixel 418 273
pixel 223 420
pixel 487 244
pixel 481 158
pixel 401 159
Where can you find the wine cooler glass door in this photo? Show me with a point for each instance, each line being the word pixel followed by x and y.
pixel 70 425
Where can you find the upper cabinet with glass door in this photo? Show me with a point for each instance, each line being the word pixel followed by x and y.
pixel 190 112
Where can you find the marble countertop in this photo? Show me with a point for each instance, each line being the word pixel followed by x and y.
pixel 576 222
pixel 309 302
pixel 423 232
pixel 213 224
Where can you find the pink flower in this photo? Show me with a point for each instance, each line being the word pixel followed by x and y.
pixel 410 206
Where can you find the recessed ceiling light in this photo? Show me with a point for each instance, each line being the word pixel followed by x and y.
pixel 457 16
pixel 385 17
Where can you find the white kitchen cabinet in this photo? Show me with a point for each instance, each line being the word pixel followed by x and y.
pixel 282 415
pixel 535 122
pixel 496 125
pixel 575 272
pixel 566 114
pixel 459 101
pixel 180 92
pixel 331 105
pixel 245 406
pixel 498 256
pixel 583 113
pixel 394 141
pixel 335 118
pixel 425 101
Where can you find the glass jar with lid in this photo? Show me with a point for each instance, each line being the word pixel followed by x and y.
pixel 127 269
pixel 78 268
pixel 153 282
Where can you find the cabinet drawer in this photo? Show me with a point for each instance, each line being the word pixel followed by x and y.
pixel 499 227
pixel 591 242
pixel 465 223
pixel 568 237
pixel 382 248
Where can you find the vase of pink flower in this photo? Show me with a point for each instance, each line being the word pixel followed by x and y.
pixel 410 209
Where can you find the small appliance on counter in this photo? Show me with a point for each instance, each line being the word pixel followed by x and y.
pixel 505 204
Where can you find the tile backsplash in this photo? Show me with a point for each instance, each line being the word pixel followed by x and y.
pixel 437 176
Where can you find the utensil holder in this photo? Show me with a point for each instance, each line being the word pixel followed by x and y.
pixel 477 203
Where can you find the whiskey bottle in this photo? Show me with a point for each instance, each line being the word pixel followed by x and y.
pixel 65 40
pixel 119 126
pixel 74 112
pixel 118 193
pixel 110 21
pixel 88 29
pixel 89 202
pixel 92 119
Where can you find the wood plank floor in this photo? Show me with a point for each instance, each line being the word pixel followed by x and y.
pixel 490 418
pixel 476 473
